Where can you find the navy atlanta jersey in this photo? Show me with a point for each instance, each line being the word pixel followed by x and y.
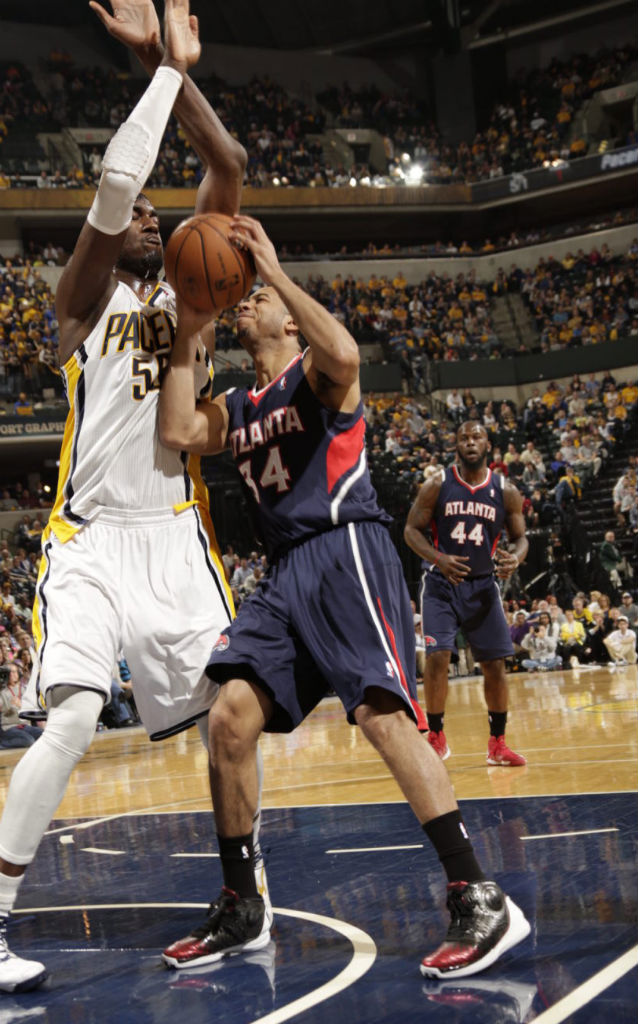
pixel 303 464
pixel 468 520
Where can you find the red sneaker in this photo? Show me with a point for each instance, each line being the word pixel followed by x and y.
pixel 499 753
pixel 439 742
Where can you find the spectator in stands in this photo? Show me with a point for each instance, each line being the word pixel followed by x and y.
pixel 518 630
pixel 621 643
pixel 541 650
pixel 22 406
pixel 611 558
pixel 581 611
pixel 455 405
pixel 594 651
pixel 568 492
pixel 13 733
pixel 498 464
pixel 630 609
pixel 572 640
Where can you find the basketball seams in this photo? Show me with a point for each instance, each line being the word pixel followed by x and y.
pixel 203 263
pixel 228 245
pixel 187 236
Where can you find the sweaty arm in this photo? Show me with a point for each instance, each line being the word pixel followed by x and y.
pixel 87 281
pixel 184 422
pixel 454 567
pixel 508 561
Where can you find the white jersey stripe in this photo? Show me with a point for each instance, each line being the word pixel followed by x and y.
pixel 345 487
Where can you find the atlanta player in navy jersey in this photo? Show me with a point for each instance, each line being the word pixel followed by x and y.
pixel 333 612
pixel 465 507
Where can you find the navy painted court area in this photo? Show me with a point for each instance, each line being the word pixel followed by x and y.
pixel 359 899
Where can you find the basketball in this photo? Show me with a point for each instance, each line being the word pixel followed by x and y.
pixel 204 267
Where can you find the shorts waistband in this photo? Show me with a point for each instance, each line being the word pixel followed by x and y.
pixel 141 517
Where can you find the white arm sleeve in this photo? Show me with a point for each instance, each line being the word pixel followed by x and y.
pixel 132 152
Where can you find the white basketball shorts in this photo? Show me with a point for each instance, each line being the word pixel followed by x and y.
pixel 150 585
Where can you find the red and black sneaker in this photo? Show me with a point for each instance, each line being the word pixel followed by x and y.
pixel 234 924
pixel 485 923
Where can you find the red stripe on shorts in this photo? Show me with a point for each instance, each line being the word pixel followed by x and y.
pixel 416 707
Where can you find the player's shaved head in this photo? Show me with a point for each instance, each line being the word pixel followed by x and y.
pixel 473 426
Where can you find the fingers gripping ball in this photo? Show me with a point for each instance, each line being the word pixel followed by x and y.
pixel 204 267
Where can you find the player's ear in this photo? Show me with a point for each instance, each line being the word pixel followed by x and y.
pixel 290 327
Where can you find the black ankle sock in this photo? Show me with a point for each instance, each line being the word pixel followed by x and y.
pixel 238 864
pixel 449 837
pixel 498 721
pixel 435 722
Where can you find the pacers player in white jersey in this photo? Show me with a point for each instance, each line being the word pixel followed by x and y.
pixel 130 559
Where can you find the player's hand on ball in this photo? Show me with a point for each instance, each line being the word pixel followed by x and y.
pixel 133 22
pixel 181 34
pixel 506 563
pixel 248 234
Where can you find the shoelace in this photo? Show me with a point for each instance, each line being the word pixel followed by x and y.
pixel 460 907
pixel 214 914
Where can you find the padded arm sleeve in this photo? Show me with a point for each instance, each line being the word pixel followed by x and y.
pixel 132 152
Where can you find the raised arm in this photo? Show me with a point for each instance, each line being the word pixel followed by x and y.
pixel 185 423
pixel 134 23
pixel 332 364
pixel 88 282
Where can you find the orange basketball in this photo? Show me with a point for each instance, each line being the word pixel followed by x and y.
pixel 204 267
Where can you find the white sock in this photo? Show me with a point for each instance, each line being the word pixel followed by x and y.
pixel 9 885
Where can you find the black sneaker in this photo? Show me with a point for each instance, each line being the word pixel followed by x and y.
pixel 485 923
pixel 234 924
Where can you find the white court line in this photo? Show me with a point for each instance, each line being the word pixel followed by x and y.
pixel 559 835
pixel 377 849
pixel 194 855
pixel 591 988
pixel 97 821
pixel 364 951
pixel 109 853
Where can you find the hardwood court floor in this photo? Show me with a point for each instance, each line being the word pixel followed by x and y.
pixel 578 730
pixel 130 864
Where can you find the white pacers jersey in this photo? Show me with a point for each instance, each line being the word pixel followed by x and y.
pixel 111 455
pixel 129 557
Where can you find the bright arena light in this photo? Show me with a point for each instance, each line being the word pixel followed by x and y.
pixel 414 175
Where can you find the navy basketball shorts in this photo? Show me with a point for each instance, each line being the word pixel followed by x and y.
pixel 333 614
pixel 475 606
